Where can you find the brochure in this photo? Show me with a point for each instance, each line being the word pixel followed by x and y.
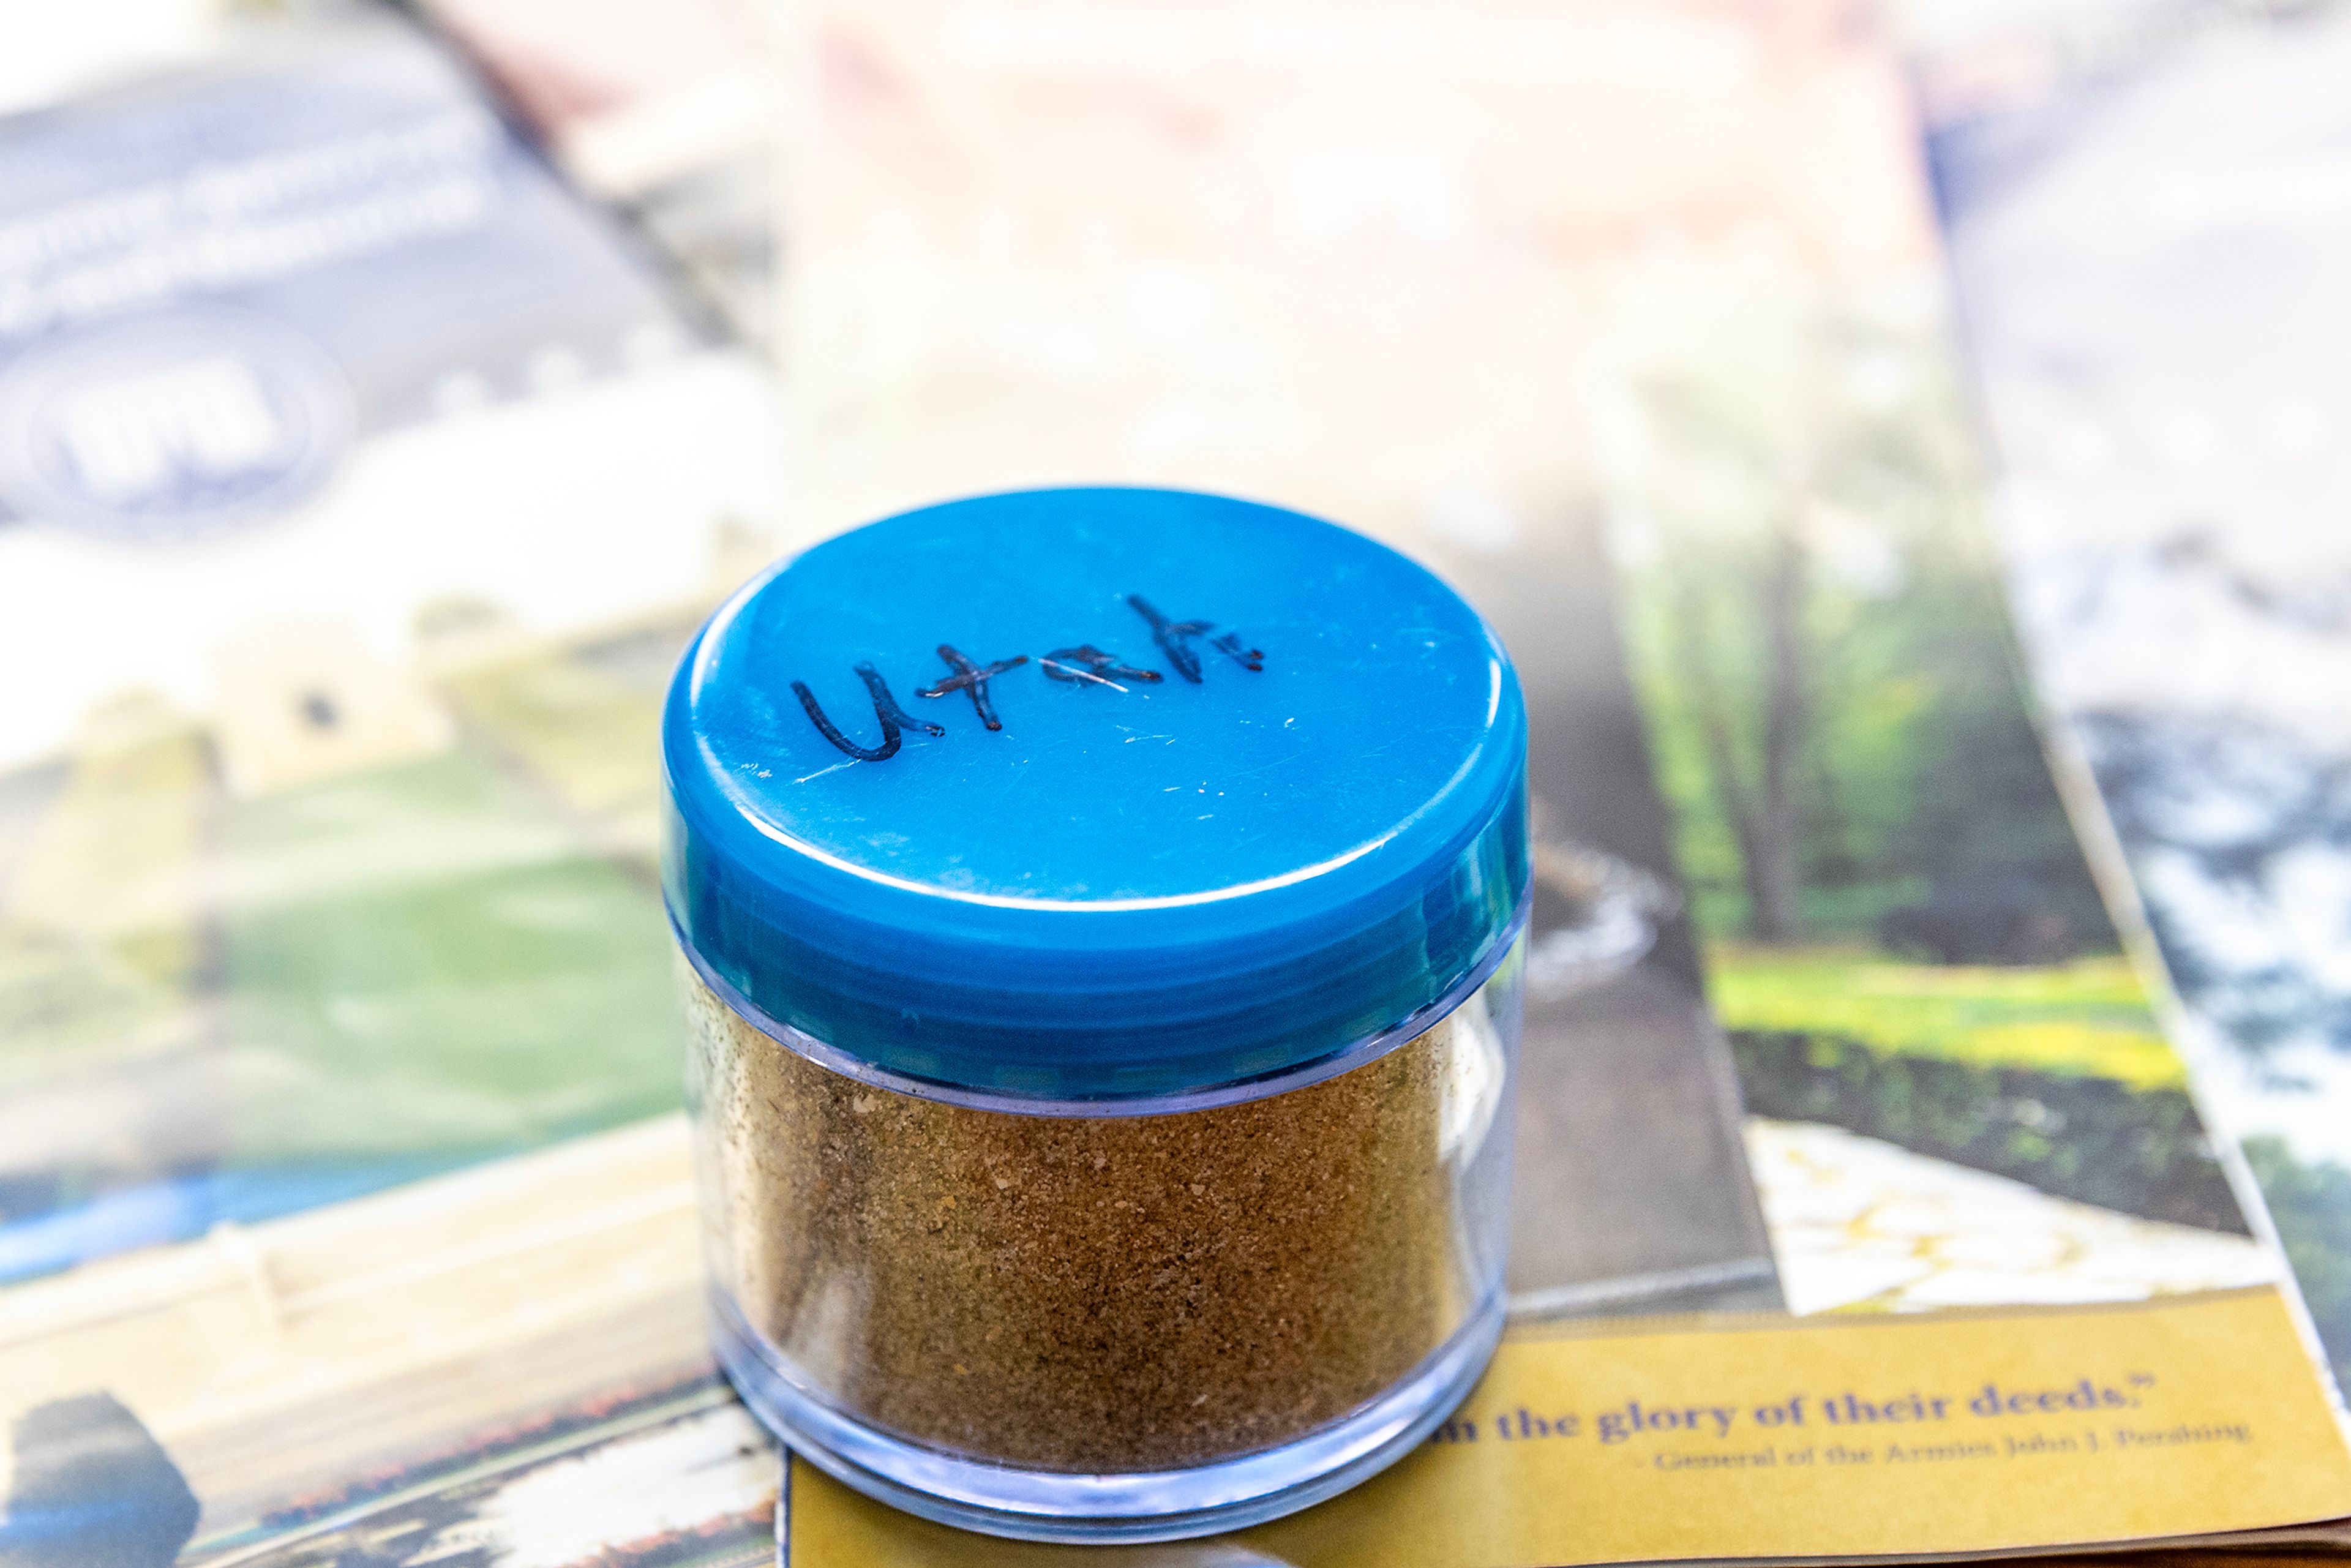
pixel 1865 1207
pixel 2150 321
pixel 360 486
pixel 671 113
pixel 1679 401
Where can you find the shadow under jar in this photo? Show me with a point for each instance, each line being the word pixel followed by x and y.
pixel 1101 914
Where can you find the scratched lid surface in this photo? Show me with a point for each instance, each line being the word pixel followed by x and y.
pixel 1094 794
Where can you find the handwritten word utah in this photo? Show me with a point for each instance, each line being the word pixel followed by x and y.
pixel 1083 665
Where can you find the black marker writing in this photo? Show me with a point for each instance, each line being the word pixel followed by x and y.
pixel 1174 640
pixel 971 679
pixel 1080 664
pixel 885 708
pixel 1089 665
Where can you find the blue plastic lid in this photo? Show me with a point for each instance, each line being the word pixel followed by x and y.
pixel 1094 794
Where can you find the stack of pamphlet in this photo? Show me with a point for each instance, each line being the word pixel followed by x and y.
pixel 1875 1196
pixel 2147 209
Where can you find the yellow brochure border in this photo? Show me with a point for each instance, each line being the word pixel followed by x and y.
pixel 1936 1435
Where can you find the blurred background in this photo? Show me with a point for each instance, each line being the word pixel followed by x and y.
pixel 1903 446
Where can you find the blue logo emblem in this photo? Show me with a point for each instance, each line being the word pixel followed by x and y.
pixel 171 427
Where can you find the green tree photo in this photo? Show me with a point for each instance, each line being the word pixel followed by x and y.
pixel 1902 934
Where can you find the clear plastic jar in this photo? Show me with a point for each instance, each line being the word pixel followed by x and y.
pixel 1123 1174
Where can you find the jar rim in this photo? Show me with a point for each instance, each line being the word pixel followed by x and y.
pixel 1508 947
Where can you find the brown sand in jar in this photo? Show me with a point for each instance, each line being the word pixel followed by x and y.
pixel 1094 1295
